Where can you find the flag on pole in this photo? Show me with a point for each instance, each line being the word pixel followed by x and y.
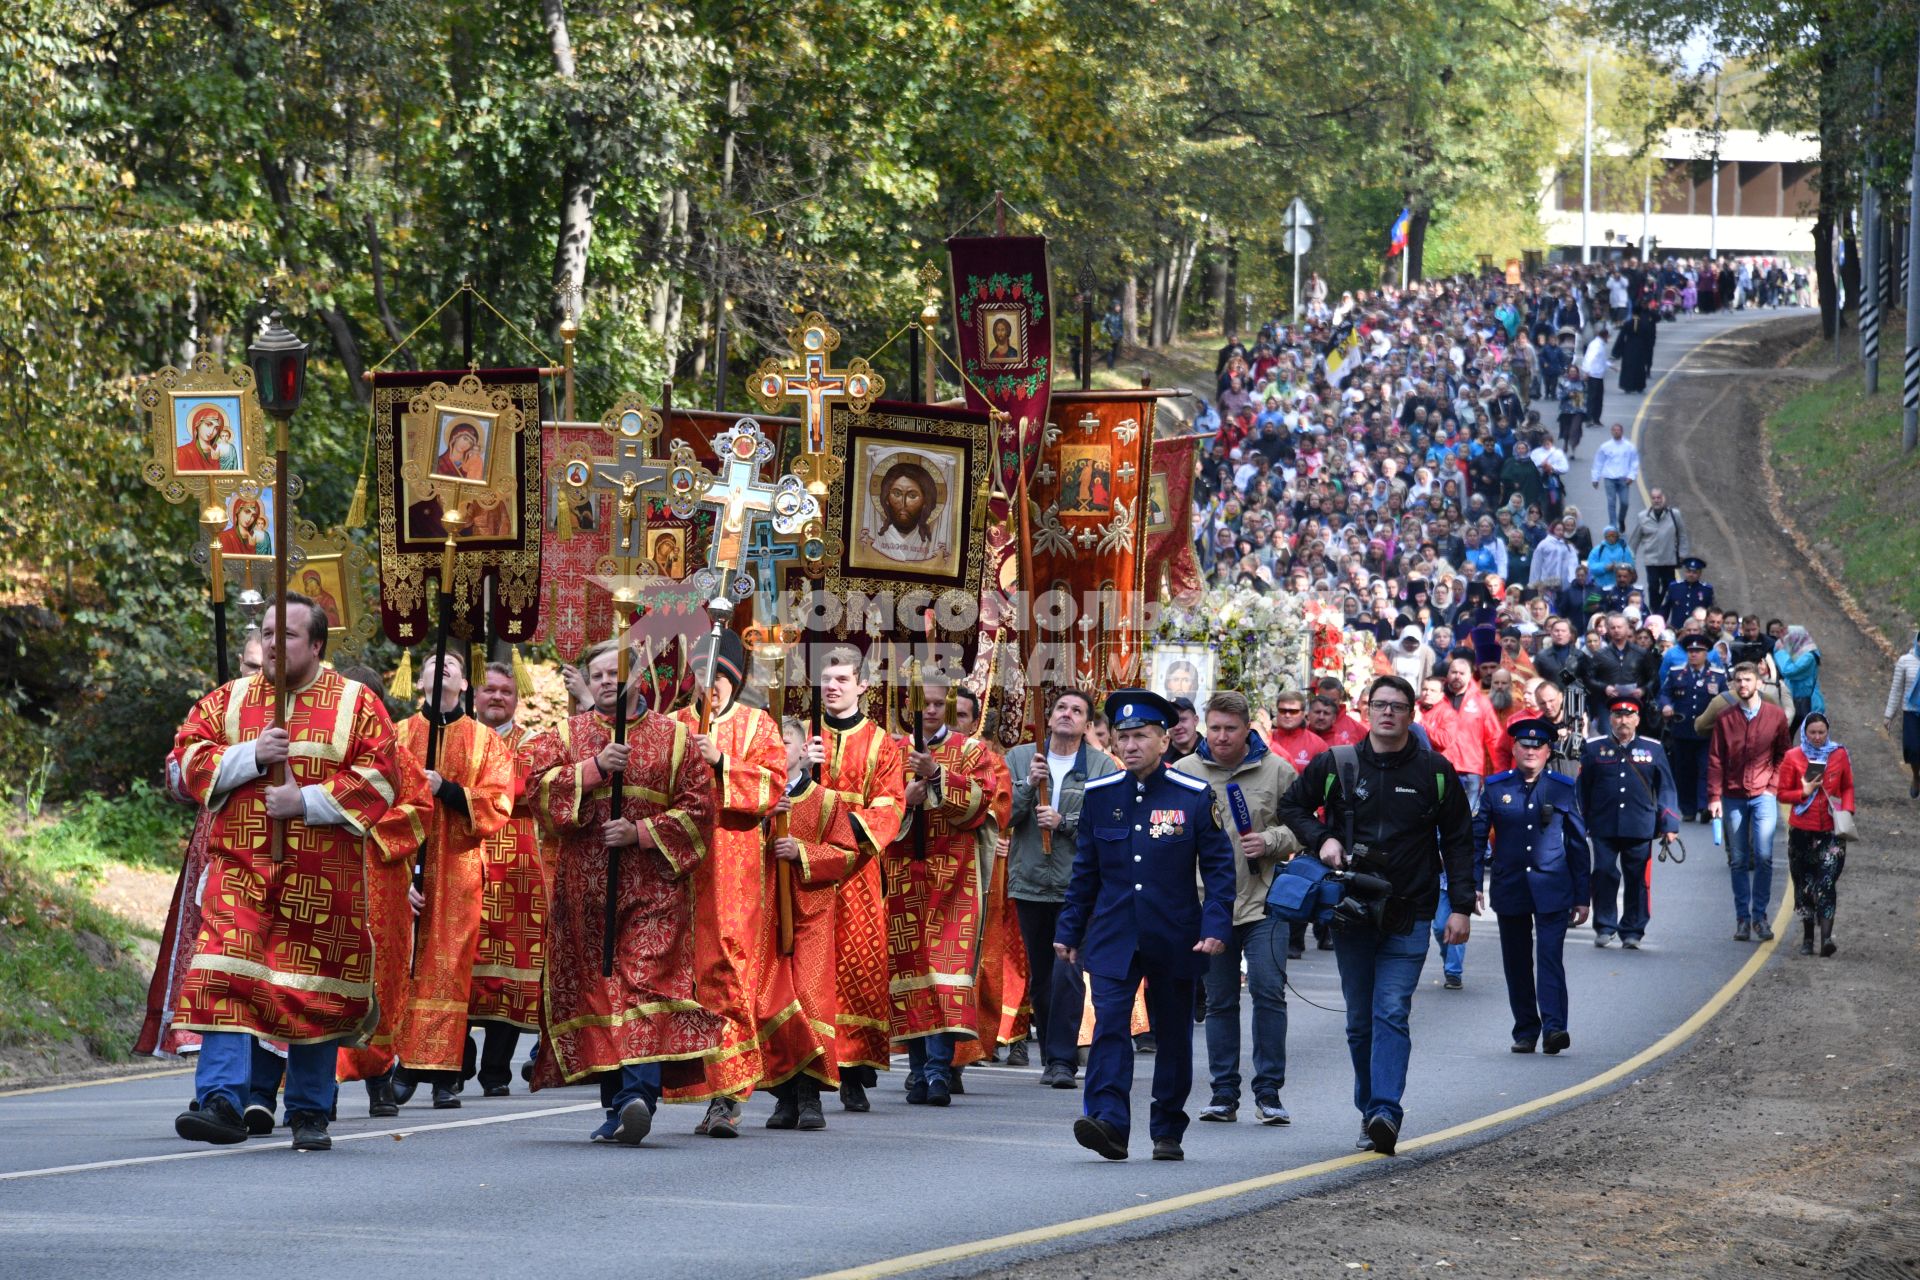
pixel 1343 353
pixel 1397 234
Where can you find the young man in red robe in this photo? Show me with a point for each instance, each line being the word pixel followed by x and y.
pixel 284 952
pixel 961 792
pixel 472 780
pixel 629 1029
pixel 737 969
pixel 505 995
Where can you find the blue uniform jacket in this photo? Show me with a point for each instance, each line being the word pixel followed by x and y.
pixel 1688 692
pixel 1684 597
pixel 1532 844
pixel 1617 804
pixel 1140 846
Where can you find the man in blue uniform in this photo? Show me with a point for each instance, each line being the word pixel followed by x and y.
pixel 1626 794
pixel 1688 594
pixel 1131 913
pixel 1684 695
pixel 1533 848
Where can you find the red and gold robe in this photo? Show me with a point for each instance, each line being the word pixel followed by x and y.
pixel 820 825
pixel 738 972
pixel 934 906
pixel 284 950
pixel 1002 983
pixel 513 916
pixel 433 1034
pixel 646 1011
pixel 158 1037
pixel 394 840
pixel 864 773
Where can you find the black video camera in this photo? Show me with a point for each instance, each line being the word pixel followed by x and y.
pixel 1368 900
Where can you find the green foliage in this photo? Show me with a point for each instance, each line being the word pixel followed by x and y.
pixel 67 972
pixel 142 828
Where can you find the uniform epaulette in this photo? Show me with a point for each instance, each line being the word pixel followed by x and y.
pixel 1108 779
pixel 1188 781
pixel 1556 774
pixel 1498 777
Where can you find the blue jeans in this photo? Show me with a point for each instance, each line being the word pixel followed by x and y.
pixel 226 1069
pixel 1453 955
pixel 1378 974
pixel 1263 943
pixel 640 1080
pixel 1619 494
pixel 264 1071
pixel 930 1058
pixel 1750 824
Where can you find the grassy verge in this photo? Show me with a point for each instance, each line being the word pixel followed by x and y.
pixel 1851 491
pixel 72 974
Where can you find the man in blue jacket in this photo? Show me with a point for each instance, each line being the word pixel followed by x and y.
pixel 1532 846
pixel 1131 914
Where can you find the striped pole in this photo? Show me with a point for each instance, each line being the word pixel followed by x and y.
pixel 1870 286
pixel 1910 382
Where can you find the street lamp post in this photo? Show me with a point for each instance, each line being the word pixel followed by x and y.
pixel 1586 174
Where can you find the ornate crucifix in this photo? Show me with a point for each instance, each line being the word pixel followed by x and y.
pixel 816 384
pixel 634 427
pixel 783 507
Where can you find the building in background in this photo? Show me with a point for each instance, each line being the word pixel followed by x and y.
pixel 1769 187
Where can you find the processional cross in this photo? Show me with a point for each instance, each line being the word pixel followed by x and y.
pixel 816 384
pixel 781 508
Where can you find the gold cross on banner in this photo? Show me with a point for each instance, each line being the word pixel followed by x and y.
pixel 816 384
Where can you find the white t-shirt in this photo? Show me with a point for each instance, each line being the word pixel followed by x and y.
pixel 1059 767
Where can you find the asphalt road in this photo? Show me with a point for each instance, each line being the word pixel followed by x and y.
pixel 94 1183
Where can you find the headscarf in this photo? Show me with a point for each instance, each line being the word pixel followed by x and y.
pixel 1815 755
pixel 1796 641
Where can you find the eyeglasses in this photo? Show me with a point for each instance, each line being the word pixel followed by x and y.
pixel 1389 706
pixel 1290 711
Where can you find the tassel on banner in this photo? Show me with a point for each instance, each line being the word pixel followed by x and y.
pixel 564 526
pixel 401 686
pixel 522 677
pixel 357 509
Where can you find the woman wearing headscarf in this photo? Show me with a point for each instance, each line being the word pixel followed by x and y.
pixel 1798 661
pixel 1606 553
pixel 1904 697
pixel 1816 779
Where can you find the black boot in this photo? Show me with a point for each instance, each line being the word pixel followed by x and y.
pixel 216 1122
pixel 853 1094
pixel 1827 947
pixel 786 1107
pixel 810 1116
pixel 310 1131
pixel 1806 939
pixel 381 1104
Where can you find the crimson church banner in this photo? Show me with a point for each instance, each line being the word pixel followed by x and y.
pixel 1003 323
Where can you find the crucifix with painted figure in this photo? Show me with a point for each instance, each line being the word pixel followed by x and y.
pixel 816 384
pixel 752 512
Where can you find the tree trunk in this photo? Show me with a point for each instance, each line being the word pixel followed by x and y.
pixel 1130 312
pixel 579 180
pixel 1850 269
pixel 1158 302
pixel 1220 288
pixel 1188 253
pixel 1230 312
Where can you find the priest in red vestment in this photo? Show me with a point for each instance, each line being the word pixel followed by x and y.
pixel 505 996
pixel 641 1026
pixel 962 793
pixel 738 971
pixel 284 952
pixel 472 783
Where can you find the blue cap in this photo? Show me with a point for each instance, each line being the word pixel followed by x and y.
pixel 1694 563
pixel 1537 731
pixel 1135 708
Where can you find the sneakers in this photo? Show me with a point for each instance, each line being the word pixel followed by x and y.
pixel 605 1132
pixel 1453 982
pixel 216 1122
pixel 1606 939
pixel 633 1124
pixel 1630 944
pixel 1272 1111
pixel 1364 1142
pixel 1146 1043
pixel 259 1120
pixel 1384 1133
pixel 1221 1111
pixel 1100 1138
pixel 1762 931
pixel 1058 1075
pixel 940 1092
pixel 1167 1149
pixel 721 1121
pixel 1741 934
pixel 310 1131
pixel 1017 1054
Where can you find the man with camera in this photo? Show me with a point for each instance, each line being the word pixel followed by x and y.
pixel 1395 814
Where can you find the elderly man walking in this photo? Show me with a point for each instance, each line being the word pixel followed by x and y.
pixel 1658 540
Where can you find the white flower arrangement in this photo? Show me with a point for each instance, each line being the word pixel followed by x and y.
pixel 1262 639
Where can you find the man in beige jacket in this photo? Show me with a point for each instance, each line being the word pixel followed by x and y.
pixel 1234 753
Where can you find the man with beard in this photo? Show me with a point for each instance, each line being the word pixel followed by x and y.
pixel 908 505
pixel 1464 726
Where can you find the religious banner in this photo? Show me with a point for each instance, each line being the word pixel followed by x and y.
pixel 1003 323
pixel 468 440
pixel 575 610
pixel 1172 568
pixel 1089 494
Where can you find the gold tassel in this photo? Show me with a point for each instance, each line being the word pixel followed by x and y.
pixel 563 523
pixel 476 664
pixel 522 676
pixel 357 509
pixel 402 684
pixel 951 716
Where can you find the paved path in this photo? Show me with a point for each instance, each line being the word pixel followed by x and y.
pixel 93 1182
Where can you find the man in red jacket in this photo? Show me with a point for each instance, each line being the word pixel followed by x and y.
pixel 1749 739
pixel 1291 740
pixel 1464 726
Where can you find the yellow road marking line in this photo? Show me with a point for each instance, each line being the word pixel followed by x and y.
pixel 1211 1195
pixel 88 1084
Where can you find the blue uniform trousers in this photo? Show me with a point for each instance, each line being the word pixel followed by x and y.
pixel 1378 974
pixel 1109 1083
pixel 1530 945
pixel 1621 864
pixel 1689 759
pixel 227 1066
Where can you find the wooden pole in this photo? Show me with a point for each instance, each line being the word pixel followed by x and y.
pixel 1042 794
pixel 213 518
pixel 781 826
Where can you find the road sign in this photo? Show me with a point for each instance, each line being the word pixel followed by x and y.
pixel 1297 214
pixel 1296 240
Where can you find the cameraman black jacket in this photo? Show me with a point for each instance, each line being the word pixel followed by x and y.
pixel 1412 813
